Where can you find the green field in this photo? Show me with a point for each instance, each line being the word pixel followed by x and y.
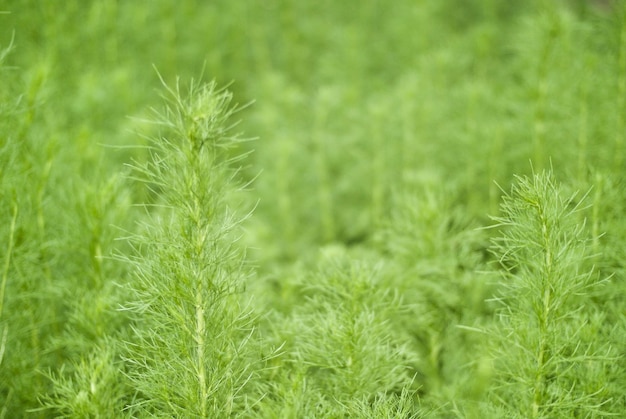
pixel 313 209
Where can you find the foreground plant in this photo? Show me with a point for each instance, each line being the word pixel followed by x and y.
pixel 549 361
pixel 192 355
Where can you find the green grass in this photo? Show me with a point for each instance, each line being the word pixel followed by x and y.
pixel 275 209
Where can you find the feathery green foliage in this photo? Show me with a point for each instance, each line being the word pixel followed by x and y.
pixel 550 362
pixel 342 347
pixel 191 326
pixel 155 263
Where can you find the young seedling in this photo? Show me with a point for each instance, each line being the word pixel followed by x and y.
pixel 546 346
pixel 192 353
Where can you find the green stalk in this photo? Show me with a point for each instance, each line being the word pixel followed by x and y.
pixel 583 135
pixel 545 314
pixel 200 353
pixel 324 189
pixel 539 116
pixel 596 220
pixel 618 155
pixel 7 258
pixel 200 330
pixel 495 169
pixel 378 167
pixel 285 203
pixel 41 219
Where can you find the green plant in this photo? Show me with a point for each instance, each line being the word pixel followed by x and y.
pixel 549 361
pixel 28 320
pixel 345 352
pixel 192 324
pixel 364 259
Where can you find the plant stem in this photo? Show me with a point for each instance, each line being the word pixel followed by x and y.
pixel 378 169
pixel 286 207
pixel 495 166
pixel 621 91
pixel 199 236
pixel 544 317
pixel 200 353
pixel 324 189
pixel 7 257
pixel 539 117
pixel 583 135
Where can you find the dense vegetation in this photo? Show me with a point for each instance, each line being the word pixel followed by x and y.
pixel 313 209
